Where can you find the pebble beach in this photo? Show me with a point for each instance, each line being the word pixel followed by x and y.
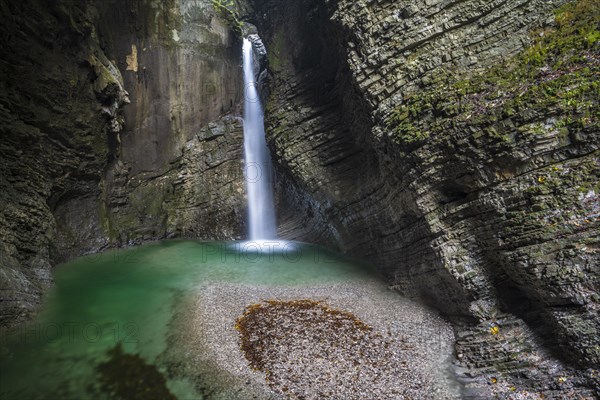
pixel 355 340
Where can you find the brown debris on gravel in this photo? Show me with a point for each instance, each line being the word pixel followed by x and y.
pixel 309 351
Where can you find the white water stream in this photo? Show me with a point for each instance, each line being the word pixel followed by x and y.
pixel 261 210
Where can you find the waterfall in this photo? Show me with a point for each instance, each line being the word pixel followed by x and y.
pixel 261 210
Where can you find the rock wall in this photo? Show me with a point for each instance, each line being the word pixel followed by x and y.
pixel 120 124
pixel 178 171
pixel 54 143
pixel 422 137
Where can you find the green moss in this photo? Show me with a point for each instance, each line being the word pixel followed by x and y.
pixel 558 74
pixel 228 11
pixel 401 119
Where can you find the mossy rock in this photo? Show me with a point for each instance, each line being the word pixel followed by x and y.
pixel 557 75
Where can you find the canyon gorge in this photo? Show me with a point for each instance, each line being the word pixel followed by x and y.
pixel 451 144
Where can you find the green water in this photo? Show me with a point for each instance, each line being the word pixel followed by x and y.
pixel 128 297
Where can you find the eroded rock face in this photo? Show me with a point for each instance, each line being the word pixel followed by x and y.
pixel 57 86
pixel 120 124
pixel 448 196
pixel 178 170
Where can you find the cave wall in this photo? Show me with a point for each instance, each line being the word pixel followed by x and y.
pixel 395 144
pixel 120 124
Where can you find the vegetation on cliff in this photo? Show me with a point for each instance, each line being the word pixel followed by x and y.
pixel 559 73
pixel 227 10
pixel 530 126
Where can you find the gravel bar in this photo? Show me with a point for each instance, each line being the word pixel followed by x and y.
pixel 354 340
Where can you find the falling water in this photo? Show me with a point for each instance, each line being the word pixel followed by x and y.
pixel 261 210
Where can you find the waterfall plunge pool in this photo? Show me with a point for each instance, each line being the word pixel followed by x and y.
pixel 159 321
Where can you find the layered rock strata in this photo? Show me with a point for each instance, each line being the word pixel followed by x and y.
pixel 454 147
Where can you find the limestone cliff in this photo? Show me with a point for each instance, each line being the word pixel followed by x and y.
pixel 455 146
pixel 120 124
pixel 179 170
